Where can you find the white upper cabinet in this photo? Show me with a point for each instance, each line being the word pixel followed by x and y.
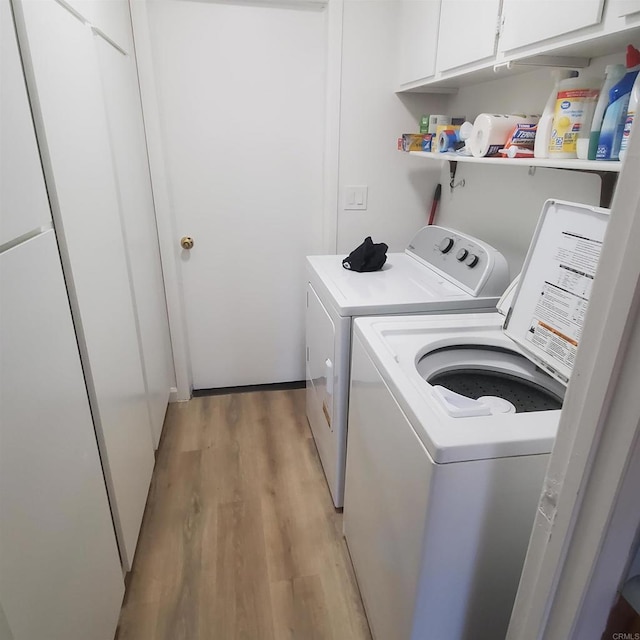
pixel 418 35
pixel 23 199
pixel 468 32
pixel 625 8
pixel 527 22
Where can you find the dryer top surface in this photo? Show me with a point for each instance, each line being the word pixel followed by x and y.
pixel 403 285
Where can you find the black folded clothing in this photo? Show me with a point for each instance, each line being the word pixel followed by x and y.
pixel 369 256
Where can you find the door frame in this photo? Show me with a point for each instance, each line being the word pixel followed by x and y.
pixel 167 224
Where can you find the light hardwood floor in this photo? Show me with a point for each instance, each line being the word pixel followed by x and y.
pixel 240 538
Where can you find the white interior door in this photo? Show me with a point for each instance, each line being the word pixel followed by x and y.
pixel 241 95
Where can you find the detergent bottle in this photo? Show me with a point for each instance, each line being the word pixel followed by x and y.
pixel 631 113
pixel 543 132
pixel 614 73
pixel 584 133
pixel 616 112
pixel 575 95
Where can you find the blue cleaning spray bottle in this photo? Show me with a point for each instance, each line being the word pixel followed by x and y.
pixel 616 112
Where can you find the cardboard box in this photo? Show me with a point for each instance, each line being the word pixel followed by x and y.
pixel 415 142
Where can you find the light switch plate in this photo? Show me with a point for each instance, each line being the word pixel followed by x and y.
pixel 355 197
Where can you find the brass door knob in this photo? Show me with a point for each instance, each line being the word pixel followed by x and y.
pixel 186 242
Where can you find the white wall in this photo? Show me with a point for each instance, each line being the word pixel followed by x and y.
pixel 372 117
pixel 502 205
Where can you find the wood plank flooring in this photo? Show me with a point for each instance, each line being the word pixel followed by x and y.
pixel 240 538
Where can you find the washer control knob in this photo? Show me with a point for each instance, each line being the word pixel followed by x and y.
pixel 462 254
pixel 472 261
pixel 446 245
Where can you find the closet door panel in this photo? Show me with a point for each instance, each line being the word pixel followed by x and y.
pixel 23 198
pixel 110 17
pixel 126 128
pixel 60 574
pixel 65 77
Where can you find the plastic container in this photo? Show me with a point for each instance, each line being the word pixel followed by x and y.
pixel 520 141
pixel 575 95
pixel 631 113
pixel 543 133
pixel 614 73
pixel 616 113
pixel 584 133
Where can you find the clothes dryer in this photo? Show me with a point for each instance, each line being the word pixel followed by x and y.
pixel 441 270
pixel 451 422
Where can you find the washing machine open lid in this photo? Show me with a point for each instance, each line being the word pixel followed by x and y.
pixel 544 310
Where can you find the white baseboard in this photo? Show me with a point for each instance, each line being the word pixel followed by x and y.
pixel 174 396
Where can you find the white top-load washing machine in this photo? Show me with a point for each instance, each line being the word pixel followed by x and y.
pixel 451 422
pixel 441 270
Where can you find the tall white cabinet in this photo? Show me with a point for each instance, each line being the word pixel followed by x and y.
pixel 81 74
pixel 60 571
pixel 73 134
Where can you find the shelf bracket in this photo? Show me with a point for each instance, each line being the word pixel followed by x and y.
pixel 608 181
pixel 453 168
pixel 607 187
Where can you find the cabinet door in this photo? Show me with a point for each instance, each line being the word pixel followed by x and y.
pixel 66 77
pixel 60 574
pixel 23 198
pixel 468 32
pixel 626 7
pixel 126 129
pixel 527 22
pixel 418 39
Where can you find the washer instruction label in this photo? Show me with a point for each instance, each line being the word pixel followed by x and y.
pixel 556 325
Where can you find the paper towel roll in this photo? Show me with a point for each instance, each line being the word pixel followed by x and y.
pixel 490 132
pixel 466 130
